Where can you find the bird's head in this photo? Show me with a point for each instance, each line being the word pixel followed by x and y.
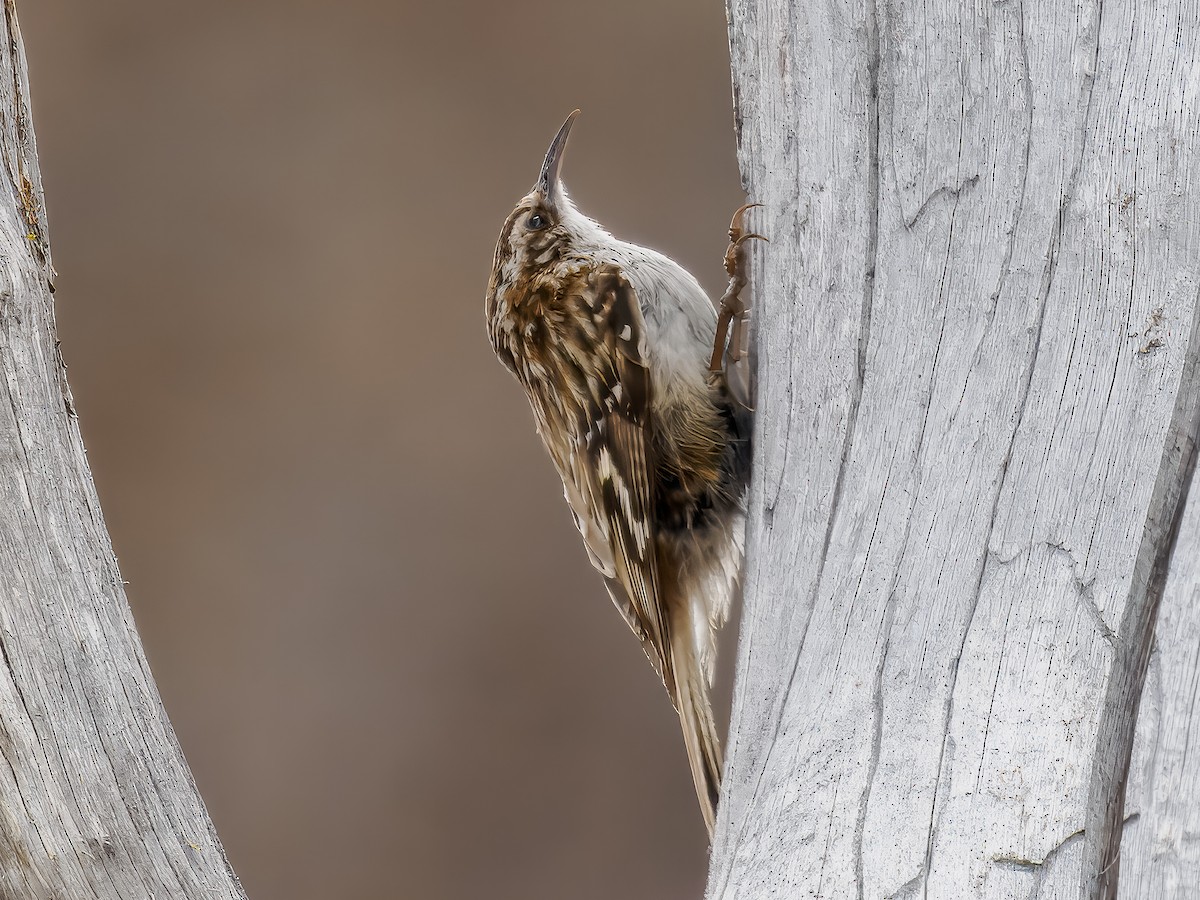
pixel 544 226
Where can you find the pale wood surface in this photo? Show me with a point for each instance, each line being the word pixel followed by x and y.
pixel 978 335
pixel 1160 853
pixel 96 800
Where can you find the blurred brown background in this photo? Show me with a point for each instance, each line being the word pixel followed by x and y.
pixel 370 617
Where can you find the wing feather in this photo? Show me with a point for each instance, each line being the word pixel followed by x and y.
pixel 611 489
pixel 587 375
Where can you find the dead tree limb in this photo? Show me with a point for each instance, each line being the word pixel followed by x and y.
pixel 96 800
pixel 979 397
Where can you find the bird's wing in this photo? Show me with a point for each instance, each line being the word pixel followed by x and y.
pixel 609 477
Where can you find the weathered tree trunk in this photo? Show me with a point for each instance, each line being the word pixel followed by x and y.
pixel 979 400
pixel 96 800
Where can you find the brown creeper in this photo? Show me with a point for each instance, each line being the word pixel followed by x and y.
pixel 612 343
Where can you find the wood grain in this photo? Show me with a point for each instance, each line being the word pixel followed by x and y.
pixel 977 334
pixel 96 800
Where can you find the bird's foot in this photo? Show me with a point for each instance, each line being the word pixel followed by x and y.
pixel 731 309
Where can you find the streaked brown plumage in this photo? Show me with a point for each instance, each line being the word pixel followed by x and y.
pixel 612 344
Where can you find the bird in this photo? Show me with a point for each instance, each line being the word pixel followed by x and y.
pixel 639 392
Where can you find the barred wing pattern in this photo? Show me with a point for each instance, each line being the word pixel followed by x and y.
pixel 576 339
pixel 609 472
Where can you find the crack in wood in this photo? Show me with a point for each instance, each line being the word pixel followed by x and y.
pixel 872 765
pixel 1085 590
pixel 946 191
pixel 1127 673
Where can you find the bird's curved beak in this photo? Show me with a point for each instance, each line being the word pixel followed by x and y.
pixel 548 184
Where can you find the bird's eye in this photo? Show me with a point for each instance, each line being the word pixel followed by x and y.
pixel 535 222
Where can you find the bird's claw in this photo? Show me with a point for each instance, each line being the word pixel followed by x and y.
pixel 731 308
pixel 735 256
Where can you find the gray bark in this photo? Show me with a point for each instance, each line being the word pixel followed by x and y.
pixel 978 339
pixel 1160 851
pixel 96 800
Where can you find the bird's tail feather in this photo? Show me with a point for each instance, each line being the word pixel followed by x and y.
pixel 696 717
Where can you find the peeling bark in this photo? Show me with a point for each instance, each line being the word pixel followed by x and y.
pixel 978 344
pixel 96 800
